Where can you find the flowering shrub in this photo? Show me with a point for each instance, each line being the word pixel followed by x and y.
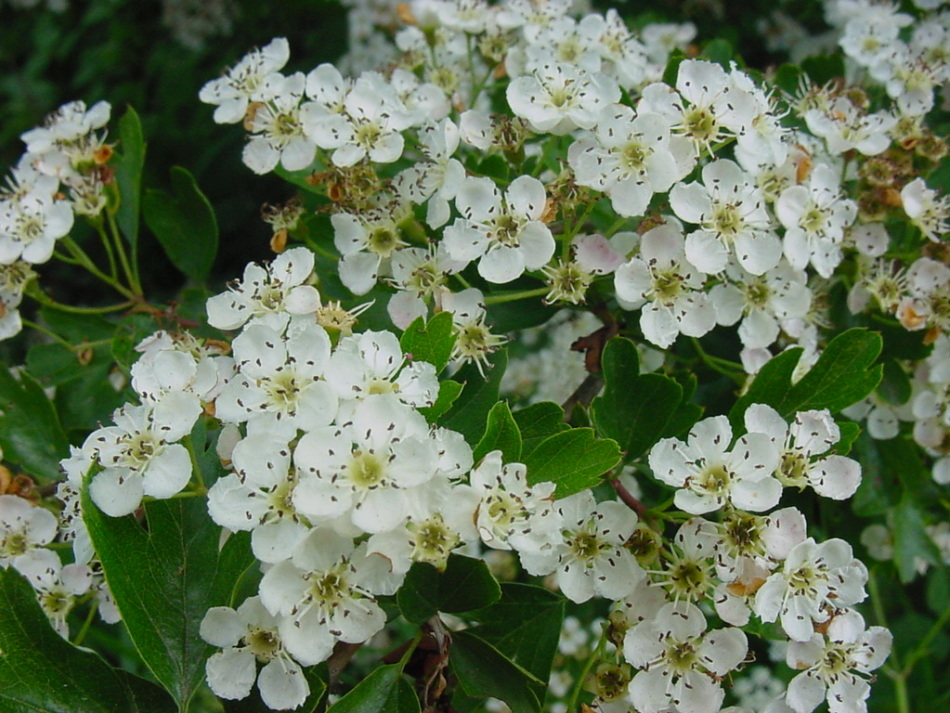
pixel 586 362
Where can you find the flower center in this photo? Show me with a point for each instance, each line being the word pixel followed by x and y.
pixel 366 470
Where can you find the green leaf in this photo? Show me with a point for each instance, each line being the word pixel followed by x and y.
pixel 718 51
pixel 184 223
pixel 465 585
pixel 842 376
pixel 672 69
pixel 483 671
pixel 165 579
pixel 821 69
pixel 540 420
pixel 448 392
pixel 469 413
pixel 787 78
pixel 501 434
pixel 42 672
pixel 525 626
pixel 30 433
pixel 849 434
pixel 911 539
pixel 770 386
pixel 573 460
pixel 634 409
pixel 385 690
pixel 879 488
pixel 128 174
pixel 895 387
pixel 431 342
pixel 494 166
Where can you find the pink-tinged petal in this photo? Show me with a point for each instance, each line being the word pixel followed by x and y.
pixel 501 265
pixel 706 252
pixel 222 627
pixel 282 685
pixel 231 673
pixel 835 477
pixel 759 253
pixel 167 473
pixel 805 693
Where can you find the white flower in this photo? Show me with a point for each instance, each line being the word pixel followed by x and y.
pixel 139 456
pixel 590 558
pixel 816 579
pixel 280 377
pixel 681 664
pixel 30 227
pixel 558 98
pixel 249 636
pixel 23 527
pixel 366 241
pixel 667 288
pixel 844 126
pixel 925 210
pixel 510 514
pixel 815 216
pixel 505 232
pixel 730 211
pixel 57 586
pixel 324 594
pixel 277 130
pixel 267 294
pixel 811 434
pixel 437 180
pixel 709 475
pixel 762 302
pixel 837 667
pixel 251 79
pixel 630 157
pixel 368 468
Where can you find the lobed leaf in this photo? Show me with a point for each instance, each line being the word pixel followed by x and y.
pixel 573 460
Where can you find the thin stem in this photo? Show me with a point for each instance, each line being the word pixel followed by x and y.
pixel 47 301
pixel 717 364
pixel 49 333
pixel 87 263
pixel 93 608
pixel 501 298
pixel 585 672
pixel 629 500
pixel 131 269
pixel 925 642
pixel 107 244
pixel 195 467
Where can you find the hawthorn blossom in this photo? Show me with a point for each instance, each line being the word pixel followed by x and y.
pixel 57 586
pixel 630 157
pixel 590 558
pixel 436 181
pixel 708 475
pixel 249 635
pixel 268 294
pixel 681 663
pixel 139 454
pixel 254 78
pixel 663 283
pixel 815 580
pixel 23 528
pixel 837 665
pixel 811 434
pixel 925 210
pixel 325 593
pixel 730 212
pixel 504 233
pixel 557 98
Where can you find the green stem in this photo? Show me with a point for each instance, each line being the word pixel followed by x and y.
pixel 903 699
pixel 717 364
pixel 86 262
pixel 925 642
pixel 93 608
pixel 196 469
pixel 49 333
pixel 107 244
pixel 37 294
pixel 585 672
pixel 503 297
pixel 131 269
